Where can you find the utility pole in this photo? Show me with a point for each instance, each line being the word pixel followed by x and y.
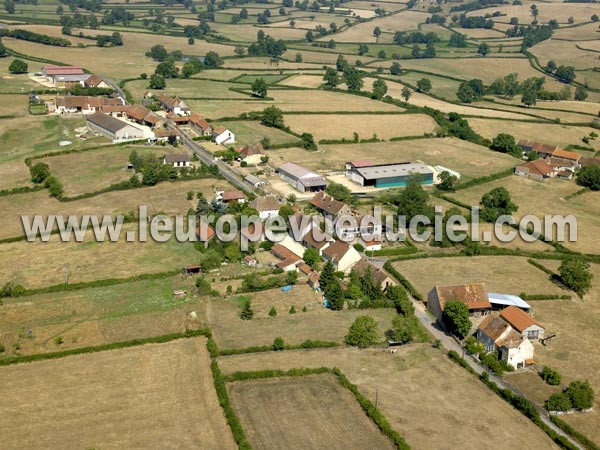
pixel 376 396
pixel 66 268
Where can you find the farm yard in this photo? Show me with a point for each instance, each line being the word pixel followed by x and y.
pixel 318 85
pixel 324 414
pixel 132 397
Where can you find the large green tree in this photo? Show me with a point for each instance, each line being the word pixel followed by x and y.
pixel 413 200
pixel 575 274
pixel 456 318
pixel 589 177
pixel 272 117
pixel 362 333
pixel 18 66
pixel 496 203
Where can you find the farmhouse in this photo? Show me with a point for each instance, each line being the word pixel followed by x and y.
pixel 301 178
pixel 231 196
pixel 251 154
pixel 288 259
pixel 535 170
pixel 350 229
pixel 115 129
pixel 543 150
pixel 71 104
pixel 267 206
pixel 167 135
pixel 496 334
pixel 143 115
pixel 60 76
pixel 95 81
pixel 254 181
pixel 309 241
pixel 473 295
pixel 342 255
pixel 389 175
pixel 174 105
pixel 566 158
pixel 222 135
pixel 329 206
pixel 522 322
pixel 177 160
pixel 379 275
pixel 179 120
pixel 199 125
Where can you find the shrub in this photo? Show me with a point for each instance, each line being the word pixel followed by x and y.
pixel 558 402
pixel 39 172
pixel 58 340
pixel 11 290
pixel 293 310
pixel 581 394
pixel 550 376
pixel 247 312
pixel 273 312
pixel 362 333
pixel 278 344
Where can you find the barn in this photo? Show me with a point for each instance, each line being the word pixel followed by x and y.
pixel 115 129
pixel 387 175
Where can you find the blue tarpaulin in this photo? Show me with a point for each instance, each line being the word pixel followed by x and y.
pixel 287 288
pixel 326 303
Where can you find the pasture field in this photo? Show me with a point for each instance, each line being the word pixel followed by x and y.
pixel 95 316
pixel 132 398
pixel 97 169
pixel 568 53
pixel 580 12
pixel 469 159
pixel 504 274
pixel 17 83
pixel 442 87
pixel 553 114
pixel 329 126
pixel 324 414
pixel 572 352
pixel 305 81
pixel 324 101
pixel 548 198
pixel 406 20
pixel 215 109
pixel 250 132
pixel 14 105
pixel 453 401
pixel 318 322
pixel 556 134
pixel 248 32
pixel 168 198
pixel 38 264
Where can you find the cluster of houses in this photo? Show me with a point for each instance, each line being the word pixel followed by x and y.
pixel 553 162
pixel 506 325
pixel 68 76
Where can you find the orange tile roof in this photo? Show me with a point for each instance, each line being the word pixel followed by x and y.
pixel 282 252
pixel 473 295
pixel 564 154
pixel 337 250
pixel 288 261
pixel 538 167
pixel 518 318
pixel 204 232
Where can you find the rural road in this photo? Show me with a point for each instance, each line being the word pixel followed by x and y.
pixel 450 344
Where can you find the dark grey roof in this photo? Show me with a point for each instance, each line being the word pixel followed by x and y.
pixel 393 170
pixel 177 157
pixel 107 122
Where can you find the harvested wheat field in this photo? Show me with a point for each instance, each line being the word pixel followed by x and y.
pixel 324 415
pixel 130 398
pixel 504 274
pixel 405 20
pixel 416 387
pixel 318 101
pixel 554 134
pixel 328 126
pixel 308 81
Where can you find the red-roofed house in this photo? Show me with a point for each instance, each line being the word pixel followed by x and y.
pixel 204 233
pixel 231 196
pixel 473 295
pixel 537 170
pixel 342 255
pixel 199 125
pixel 522 322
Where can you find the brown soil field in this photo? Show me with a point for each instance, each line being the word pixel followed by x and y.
pixel 324 415
pixel 416 387
pixel 223 316
pixel 168 198
pixel 502 274
pixel 38 264
pixel 547 198
pixel 561 135
pixel 343 126
pixel 130 398
pixel 573 351
pixel 469 159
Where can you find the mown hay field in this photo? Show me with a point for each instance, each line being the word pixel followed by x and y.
pixel 567 53
pixel 17 83
pixel 503 274
pixel 317 101
pixel 250 132
pixel 329 126
pixel 132 398
pixel 469 159
pixel 415 387
pixel 579 12
pixel 554 134
pixel 573 351
pixel 324 414
pixel 406 20
pixel 554 114
pixel 306 81
pixel 318 322
pixel 168 198
pixel 190 88
pixel 548 198
pixel 39 264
